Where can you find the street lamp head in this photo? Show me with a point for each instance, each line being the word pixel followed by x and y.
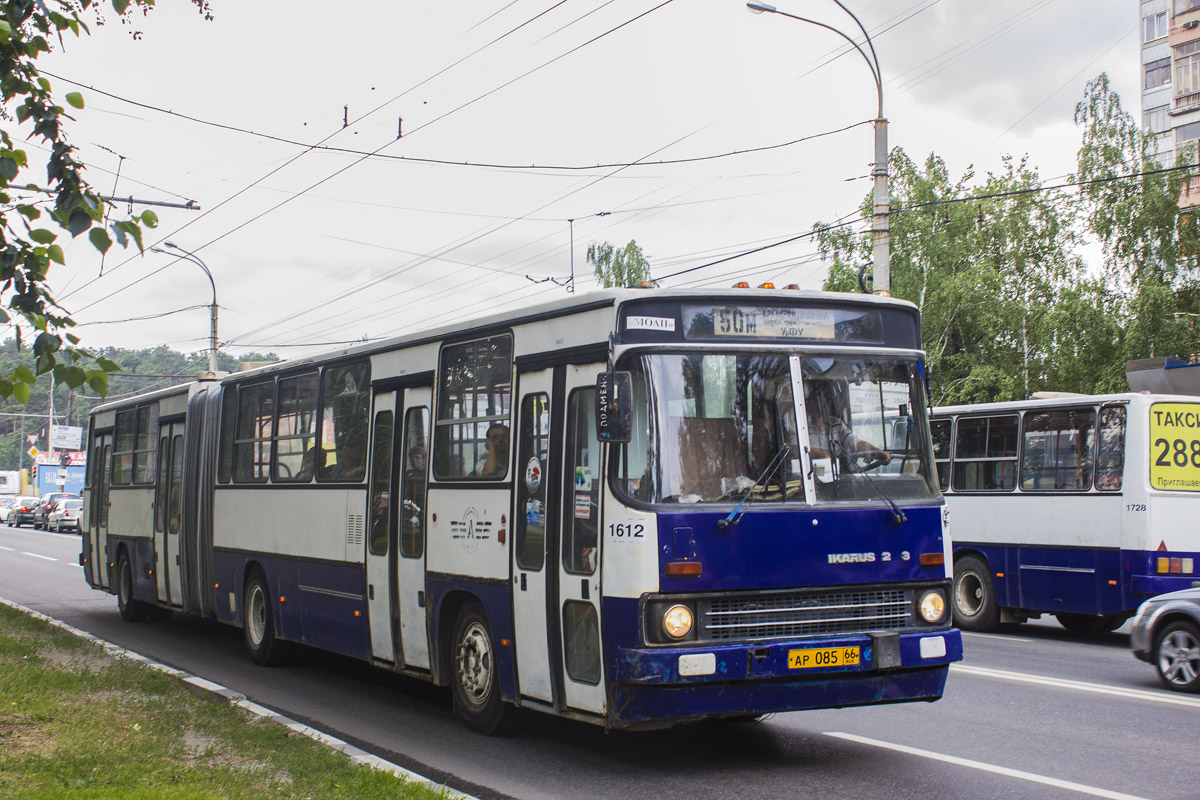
pixel 758 8
pixel 172 244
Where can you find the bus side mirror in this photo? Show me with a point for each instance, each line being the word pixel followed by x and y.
pixel 614 406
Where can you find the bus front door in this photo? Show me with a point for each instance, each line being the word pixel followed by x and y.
pixel 580 483
pixel 534 525
pixel 556 591
pixel 410 566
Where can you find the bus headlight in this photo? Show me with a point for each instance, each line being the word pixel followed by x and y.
pixel 677 621
pixel 932 606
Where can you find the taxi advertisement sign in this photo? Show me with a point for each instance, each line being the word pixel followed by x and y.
pixel 1175 446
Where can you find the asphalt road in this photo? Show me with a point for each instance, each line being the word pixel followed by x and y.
pixel 1032 711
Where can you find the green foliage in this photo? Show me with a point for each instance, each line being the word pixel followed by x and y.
pixel 69 203
pixel 625 267
pixel 1009 307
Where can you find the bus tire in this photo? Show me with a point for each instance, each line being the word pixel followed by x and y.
pixel 974 595
pixel 1176 655
pixel 258 624
pixel 476 681
pixel 131 610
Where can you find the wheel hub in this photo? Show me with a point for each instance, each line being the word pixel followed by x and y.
pixel 1179 658
pixel 475 663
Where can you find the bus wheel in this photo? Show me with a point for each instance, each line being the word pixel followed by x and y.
pixel 1177 656
pixel 1091 623
pixel 476 676
pixel 258 624
pixel 975 607
pixel 131 610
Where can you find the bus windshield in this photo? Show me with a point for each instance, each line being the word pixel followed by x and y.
pixel 712 427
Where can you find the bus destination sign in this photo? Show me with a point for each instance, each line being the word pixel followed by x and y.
pixel 788 323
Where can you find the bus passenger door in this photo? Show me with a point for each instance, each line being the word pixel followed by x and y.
pixel 533 518
pixel 410 565
pixel 98 509
pixel 381 526
pixel 580 483
pixel 168 512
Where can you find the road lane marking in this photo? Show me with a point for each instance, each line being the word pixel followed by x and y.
pixel 1080 686
pixel 35 555
pixel 985 767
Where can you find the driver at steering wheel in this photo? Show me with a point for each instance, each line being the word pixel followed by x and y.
pixel 824 425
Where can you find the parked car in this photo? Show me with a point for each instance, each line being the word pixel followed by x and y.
pixel 6 508
pixel 1165 632
pixel 45 504
pixel 21 511
pixel 65 515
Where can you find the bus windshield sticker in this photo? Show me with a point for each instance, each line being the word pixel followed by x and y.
pixel 533 475
pixel 583 505
pixel 1175 446
pixel 782 322
pixel 649 324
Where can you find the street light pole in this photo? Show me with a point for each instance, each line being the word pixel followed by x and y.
pixel 881 251
pixel 195 259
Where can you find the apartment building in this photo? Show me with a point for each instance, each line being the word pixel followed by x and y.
pixel 1171 80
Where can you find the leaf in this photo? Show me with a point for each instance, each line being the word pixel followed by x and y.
pixel 107 364
pixel 5 29
pixel 29 212
pixel 23 374
pixel 79 222
pixel 100 239
pixel 9 168
pixel 42 236
pixel 75 99
pixel 56 254
pixel 98 381
pixel 75 377
pixel 120 6
pixel 149 219
pixel 72 338
pixel 21 392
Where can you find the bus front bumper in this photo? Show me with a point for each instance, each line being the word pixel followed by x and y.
pixel 678 683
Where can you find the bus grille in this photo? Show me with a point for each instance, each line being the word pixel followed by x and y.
pixel 790 616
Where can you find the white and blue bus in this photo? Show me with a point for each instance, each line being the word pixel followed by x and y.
pixel 615 508
pixel 1073 505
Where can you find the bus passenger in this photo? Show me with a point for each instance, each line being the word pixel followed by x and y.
pixel 496 462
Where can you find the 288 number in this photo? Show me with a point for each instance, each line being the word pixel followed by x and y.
pixel 1178 453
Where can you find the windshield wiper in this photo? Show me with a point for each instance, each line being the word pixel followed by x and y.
pixel 772 467
pixel 898 514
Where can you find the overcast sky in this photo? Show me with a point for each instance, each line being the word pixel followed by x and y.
pixel 316 246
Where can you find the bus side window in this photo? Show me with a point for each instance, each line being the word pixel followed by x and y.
pixel 415 482
pixel 940 428
pixel 532 459
pixel 381 478
pixel 1110 455
pixel 582 480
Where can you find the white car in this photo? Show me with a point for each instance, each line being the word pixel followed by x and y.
pixel 65 515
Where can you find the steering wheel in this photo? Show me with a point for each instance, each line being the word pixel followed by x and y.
pixel 870 459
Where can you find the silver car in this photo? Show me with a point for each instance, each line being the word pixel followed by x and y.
pixel 1165 632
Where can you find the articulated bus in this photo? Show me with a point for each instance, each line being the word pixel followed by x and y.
pixel 1078 506
pixel 616 508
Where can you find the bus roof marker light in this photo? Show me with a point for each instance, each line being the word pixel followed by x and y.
pixel 767 285
pixel 741 285
pixel 793 286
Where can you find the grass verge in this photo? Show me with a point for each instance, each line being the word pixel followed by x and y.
pixel 77 722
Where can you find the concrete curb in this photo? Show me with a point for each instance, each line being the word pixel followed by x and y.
pixel 217 691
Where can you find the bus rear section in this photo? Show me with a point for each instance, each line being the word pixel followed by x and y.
pixel 1080 507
